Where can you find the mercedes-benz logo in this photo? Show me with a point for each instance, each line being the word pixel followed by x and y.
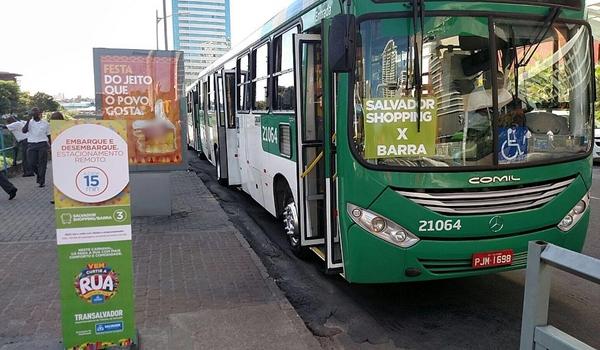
pixel 496 224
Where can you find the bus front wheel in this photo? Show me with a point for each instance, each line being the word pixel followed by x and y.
pixel 291 227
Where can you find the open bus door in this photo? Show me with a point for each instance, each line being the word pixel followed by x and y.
pixel 221 162
pixel 228 168
pixel 316 161
pixel 197 120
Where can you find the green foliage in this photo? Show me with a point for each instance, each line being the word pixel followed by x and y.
pixel 24 103
pixel 12 100
pixel 44 102
pixel 9 96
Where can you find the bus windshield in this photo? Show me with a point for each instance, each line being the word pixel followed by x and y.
pixel 543 93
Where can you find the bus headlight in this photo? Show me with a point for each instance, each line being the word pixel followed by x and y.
pixel 575 214
pixel 382 227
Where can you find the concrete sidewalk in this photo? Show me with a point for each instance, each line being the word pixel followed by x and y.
pixel 198 284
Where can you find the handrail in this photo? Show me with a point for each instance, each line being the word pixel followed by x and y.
pixel 535 331
pixel 577 264
pixel 312 165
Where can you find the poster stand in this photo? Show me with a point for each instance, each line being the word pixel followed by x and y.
pixel 93 234
pixel 151 194
pixel 146 88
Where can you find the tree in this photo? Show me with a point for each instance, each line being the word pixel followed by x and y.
pixel 44 102
pixel 24 104
pixel 9 96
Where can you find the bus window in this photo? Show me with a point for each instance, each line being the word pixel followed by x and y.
pixel 200 101
pixel 230 99
pixel 312 89
pixel 205 96
pixel 211 93
pixel 455 125
pixel 260 86
pixel 283 75
pixel 221 104
pixel 243 81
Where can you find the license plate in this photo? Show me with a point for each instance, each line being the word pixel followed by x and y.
pixel 492 259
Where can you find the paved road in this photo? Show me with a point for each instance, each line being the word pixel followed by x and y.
pixel 475 313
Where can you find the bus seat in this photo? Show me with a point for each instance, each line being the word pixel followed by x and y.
pixel 543 122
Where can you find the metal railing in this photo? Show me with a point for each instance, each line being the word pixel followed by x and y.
pixel 536 333
pixel 4 149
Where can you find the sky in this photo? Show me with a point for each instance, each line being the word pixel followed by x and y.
pixel 50 42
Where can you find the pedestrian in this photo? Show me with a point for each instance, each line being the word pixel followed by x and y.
pixel 38 144
pixel 16 128
pixel 7 186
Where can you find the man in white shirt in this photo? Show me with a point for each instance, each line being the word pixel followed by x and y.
pixel 38 144
pixel 16 128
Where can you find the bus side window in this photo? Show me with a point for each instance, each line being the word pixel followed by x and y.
pixel 221 99
pixel 243 83
pixel 260 82
pixel 211 93
pixel 205 100
pixel 202 91
pixel 284 94
pixel 230 99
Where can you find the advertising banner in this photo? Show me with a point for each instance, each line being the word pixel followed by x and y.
pixel 93 233
pixel 391 128
pixel 144 88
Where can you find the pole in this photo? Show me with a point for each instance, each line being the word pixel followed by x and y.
pixel 156 25
pixel 165 23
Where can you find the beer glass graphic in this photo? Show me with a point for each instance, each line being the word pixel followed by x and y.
pixel 66 218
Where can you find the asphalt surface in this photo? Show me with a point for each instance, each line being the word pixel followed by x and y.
pixel 471 313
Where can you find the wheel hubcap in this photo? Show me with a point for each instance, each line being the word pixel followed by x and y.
pixel 290 223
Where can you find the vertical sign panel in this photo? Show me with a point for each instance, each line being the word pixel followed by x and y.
pixel 144 88
pixel 93 221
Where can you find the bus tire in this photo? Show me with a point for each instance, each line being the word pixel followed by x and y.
pixel 220 180
pixel 291 226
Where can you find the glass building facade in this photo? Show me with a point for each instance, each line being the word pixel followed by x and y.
pixel 202 30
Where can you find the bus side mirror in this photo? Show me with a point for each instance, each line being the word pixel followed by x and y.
pixel 342 44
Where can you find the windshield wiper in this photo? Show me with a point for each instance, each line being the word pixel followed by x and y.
pixel 418 14
pixel 528 55
pixel 548 22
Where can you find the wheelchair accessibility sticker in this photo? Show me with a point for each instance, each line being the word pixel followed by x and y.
pixel 513 144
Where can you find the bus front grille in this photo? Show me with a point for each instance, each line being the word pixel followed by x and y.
pixel 440 267
pixel 488 200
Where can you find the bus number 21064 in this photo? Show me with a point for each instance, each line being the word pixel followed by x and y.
pixel 439 225
pixel 269 134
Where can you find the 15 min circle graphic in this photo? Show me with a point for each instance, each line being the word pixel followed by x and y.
pixel 91 181
pixel 92 163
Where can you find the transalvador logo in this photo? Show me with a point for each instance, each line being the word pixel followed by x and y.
pixel 496 224
pixel 97 283
pixel 493 179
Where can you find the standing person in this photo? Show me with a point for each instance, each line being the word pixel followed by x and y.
pixel 38 143
pixel 16 128
pixel 7 186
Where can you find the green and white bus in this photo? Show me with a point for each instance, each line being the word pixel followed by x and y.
pixel 409 140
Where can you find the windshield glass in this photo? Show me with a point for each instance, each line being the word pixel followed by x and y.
pixel 546 119
pixel 546 112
